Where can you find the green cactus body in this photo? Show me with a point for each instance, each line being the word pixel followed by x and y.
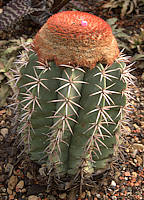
pixel 71 104
pixel 70 113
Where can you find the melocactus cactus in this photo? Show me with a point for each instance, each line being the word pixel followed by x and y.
pixel 72 92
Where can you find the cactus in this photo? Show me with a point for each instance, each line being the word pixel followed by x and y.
pixel 73 90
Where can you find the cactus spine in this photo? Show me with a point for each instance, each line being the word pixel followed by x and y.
pixel 71 105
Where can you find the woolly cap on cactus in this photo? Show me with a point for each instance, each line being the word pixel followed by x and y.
pixel 76 38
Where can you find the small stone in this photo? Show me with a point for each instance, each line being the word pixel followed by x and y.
pixel 14 193
pixel 136 126
pixel 127 174
pixel 1 138
pixel 11 197
pixel 12 182
pixel 4 132
pixel 134 174
pixel 23 190
pixel 29 176
pixel 139 147
pixel 62 196
pixel 1 10
pixel 51 197
pixel 142 76
pixel 0 169
pixel 33 197
pixel 113 183
pixel 2 122
pixel 3 189
pixel 135 151
pixel 142 141
pixel 98 195
pixel 9 191
pixel 136 139
pixel 127 150
pixel 20 185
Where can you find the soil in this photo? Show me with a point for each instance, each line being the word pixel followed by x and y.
pixel 22 179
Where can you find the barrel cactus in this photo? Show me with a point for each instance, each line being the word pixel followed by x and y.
pixel 73 91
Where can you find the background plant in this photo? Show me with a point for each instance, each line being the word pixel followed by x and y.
pixel 127 6
pixel 8 53
pixel 119 33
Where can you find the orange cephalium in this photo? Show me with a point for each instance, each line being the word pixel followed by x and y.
pixel 76 38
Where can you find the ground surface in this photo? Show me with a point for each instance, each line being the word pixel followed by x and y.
pixel 20 178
